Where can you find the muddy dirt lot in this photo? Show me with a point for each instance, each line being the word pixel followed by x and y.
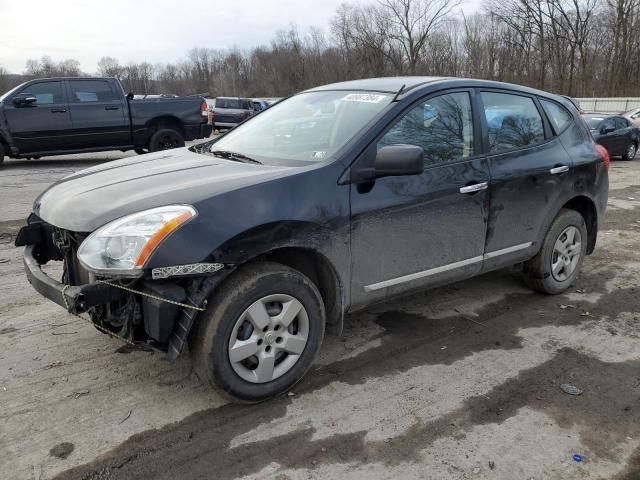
pixel 461 382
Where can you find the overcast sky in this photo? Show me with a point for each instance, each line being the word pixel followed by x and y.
pixel 147 30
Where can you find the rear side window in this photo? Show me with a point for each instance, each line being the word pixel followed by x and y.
pixel 46 93
pixel 559 116
pixel 83 91
pixel 513 121
pixel 442 126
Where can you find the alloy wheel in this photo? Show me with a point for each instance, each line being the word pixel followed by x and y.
pixel 631 153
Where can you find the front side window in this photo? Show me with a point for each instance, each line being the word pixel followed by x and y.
pixel 621 123
pixel 306 128
pixel 513 121
pixel 46 93
pixel 609 125
pixel 559 116
pixel 442 126
pixel 83 91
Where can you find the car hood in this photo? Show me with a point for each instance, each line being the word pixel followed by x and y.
pixel 90 198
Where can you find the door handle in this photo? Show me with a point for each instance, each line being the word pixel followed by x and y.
pixel 58 110
pixel 476 187
pixel 111 108
pixel 558 170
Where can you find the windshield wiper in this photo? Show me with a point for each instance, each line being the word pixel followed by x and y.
pixel 234 156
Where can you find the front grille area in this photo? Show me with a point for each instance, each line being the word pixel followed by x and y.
pixel 68 244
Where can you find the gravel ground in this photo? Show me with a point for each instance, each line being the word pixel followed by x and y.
pixel 461 382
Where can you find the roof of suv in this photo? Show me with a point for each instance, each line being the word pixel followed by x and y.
pixel 409 84
pixel 382 84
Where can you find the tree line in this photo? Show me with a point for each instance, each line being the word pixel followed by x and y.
pixel 572 47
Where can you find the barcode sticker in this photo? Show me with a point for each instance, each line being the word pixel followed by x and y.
pixel 364 97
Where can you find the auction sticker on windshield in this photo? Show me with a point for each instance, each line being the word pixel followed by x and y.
pixel 364 97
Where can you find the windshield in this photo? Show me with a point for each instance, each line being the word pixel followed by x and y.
pixel 593 122
pixel 309 127
pixel 5 95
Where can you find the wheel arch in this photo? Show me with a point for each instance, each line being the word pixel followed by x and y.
pixel 321 272
pixel 587 208
pixel 164 121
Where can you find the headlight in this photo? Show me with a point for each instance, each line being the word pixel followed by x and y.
pixel 124 245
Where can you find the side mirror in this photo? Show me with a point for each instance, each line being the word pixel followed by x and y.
pixel 24 100
pixel 607 130
pixel 397 160
pixel 130 96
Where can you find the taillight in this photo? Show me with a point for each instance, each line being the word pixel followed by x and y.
pixel 604 155
pixel 243 114
pixel 204 110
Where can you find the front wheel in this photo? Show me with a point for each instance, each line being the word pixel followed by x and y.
pixel 557 264
pixel 631 152
pixel 165 139
pixel 261 333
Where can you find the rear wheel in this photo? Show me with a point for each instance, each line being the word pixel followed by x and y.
pixel 165 139
pixel 631 152
pixel 558 262
pixel 1 153
pixel 260 334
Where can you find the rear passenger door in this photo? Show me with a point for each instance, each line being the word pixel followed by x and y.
pixel 98 114
pixel 530 174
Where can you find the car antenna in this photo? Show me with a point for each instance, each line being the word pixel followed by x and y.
pixel 399 92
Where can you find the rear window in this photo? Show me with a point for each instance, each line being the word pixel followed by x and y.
pixel 560 117
pixel 592 122
pixel 228 103
pixel 513 121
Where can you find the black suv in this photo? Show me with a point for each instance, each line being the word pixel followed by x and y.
pixel 252 245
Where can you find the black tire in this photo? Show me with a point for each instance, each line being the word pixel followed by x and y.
pixel 165 139
pixel 140 151
pixel 630 154
pixel 210 339
pixel 538 272
pixel 2 153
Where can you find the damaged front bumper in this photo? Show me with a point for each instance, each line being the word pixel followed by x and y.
pixel 158 310
pixel 76 299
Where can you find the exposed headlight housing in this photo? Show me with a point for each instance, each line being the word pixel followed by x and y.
pixel 123 246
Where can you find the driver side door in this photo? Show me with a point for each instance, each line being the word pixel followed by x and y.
pixel 410 232
pixel 44 125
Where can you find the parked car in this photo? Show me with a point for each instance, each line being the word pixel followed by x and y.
pixel 634 116
pixel 254 244
pixel 230 111
pixel 616 133
pixel 55 116
pixel 258 105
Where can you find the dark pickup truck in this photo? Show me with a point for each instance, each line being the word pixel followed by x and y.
pixel 54 116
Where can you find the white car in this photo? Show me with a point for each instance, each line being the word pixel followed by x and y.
pixel 634 116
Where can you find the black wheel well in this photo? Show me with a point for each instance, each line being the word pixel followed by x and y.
pixel 585 207
pixel 166 121
pixel 5 145
pixel 321 272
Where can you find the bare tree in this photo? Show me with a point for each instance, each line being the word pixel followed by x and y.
pixel 413 22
